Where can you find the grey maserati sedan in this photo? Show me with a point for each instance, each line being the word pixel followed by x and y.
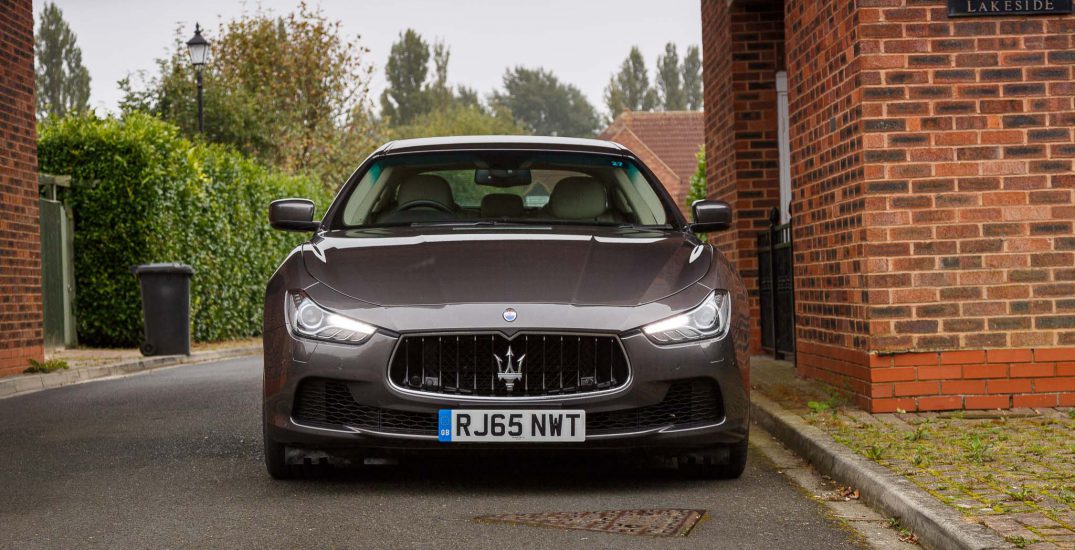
pixel 526 294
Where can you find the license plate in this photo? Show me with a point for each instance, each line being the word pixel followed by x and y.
pixel 489 426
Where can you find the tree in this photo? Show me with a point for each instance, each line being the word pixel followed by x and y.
pixel 669 81
pixel 413 92
pixel 697 189
pixel 692 78
pixel 544 105
pixel 460 120
pixel 438 90
pixel 290 91
pixel 408 64
pixel 467 96
pixel 62 82
pixel 630 88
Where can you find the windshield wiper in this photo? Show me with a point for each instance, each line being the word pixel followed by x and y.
pixel 483 223
pixel 455 224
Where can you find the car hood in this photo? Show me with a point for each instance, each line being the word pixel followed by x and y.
pixel 400 267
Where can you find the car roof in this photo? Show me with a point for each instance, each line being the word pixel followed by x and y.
pixel 540 143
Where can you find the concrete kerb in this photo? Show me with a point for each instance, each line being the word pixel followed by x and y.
pixel 936 525
pixel 29 383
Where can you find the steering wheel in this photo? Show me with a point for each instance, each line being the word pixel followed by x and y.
pixel 424 203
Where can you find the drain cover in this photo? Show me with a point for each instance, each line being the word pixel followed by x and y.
pixel 655 522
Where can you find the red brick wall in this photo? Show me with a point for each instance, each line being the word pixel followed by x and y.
pixel 970 198
pixel 719 113
pixel 827 194
pixel 973 379
pixel 20 262
pixel 968 158
pixel 742 163
pixel 933 196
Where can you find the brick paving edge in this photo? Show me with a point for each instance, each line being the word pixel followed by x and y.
pixel 29 383
pixel 937 525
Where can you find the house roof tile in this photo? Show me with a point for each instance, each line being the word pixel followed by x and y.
pixel 673 136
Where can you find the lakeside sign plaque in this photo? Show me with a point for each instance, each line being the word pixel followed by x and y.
pixel 972 8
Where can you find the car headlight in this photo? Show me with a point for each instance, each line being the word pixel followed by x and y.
pixel 313 321
pixel 708 320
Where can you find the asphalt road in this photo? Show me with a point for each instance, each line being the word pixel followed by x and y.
pixel 173 459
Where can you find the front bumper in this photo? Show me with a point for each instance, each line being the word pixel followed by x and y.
pixel 290 361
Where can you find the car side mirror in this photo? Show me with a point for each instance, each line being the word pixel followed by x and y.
pixel 710 216
pixel 293 215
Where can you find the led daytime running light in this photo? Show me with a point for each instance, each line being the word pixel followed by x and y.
pixel 310 320
pixel 708 320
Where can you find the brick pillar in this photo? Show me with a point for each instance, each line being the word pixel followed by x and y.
pixel 742 52
pixel 20 252
pixel 719 112
pixel 933 197
pixel 827 204
pixel 969 203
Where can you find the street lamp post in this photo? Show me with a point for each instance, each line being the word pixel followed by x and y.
pixel 198 47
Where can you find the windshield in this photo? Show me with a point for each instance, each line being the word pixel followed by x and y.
pixel 503 186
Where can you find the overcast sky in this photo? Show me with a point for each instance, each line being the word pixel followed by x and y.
pixel 582 41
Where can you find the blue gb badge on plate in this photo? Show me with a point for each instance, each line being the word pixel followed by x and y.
pixel 444 425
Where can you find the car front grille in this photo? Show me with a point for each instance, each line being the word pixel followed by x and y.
pixel 329 404
pixel 491 365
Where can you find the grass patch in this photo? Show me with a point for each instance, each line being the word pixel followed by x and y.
pixel 52 365
pixel 1020 541
pixel 831 404
pixel 876 452
pixel 920 432
pixel 921 460
pixel 1023 494
pixel 904 534
pixel 978 450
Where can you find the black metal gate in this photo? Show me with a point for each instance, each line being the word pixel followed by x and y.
pixel 776 290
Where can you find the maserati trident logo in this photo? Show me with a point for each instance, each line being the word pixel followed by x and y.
pixel 508 373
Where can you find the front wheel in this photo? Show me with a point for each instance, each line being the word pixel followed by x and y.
pixel 723 462
pixel 276 458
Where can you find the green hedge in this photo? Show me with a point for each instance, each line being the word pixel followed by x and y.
pixel 144 194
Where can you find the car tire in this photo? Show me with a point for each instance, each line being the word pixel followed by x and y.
pixel 276 458
pixel 277 466
pixel 724 462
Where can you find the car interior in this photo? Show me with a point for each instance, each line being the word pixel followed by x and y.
pixel 405 195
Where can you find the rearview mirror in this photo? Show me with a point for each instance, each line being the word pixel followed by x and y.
pixel 497 177
pixel 293 215
pixel 710 216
